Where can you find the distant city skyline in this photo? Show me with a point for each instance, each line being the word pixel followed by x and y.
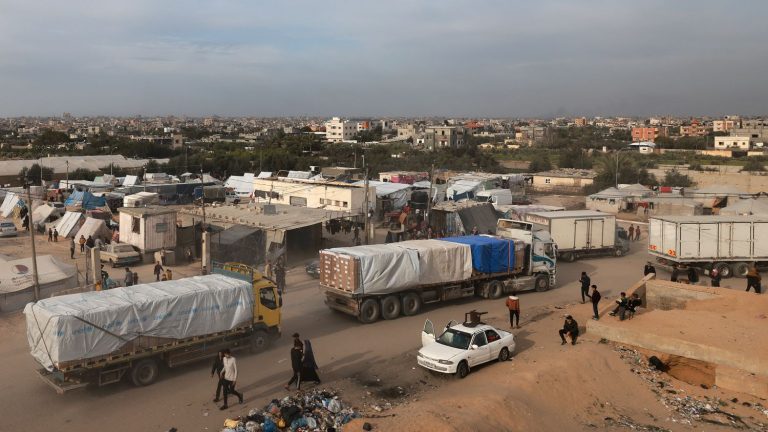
pixel 398 58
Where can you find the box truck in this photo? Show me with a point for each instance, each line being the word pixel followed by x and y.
pixel 99 337
pixel 726 243
pixel 389 280
pixel 582 233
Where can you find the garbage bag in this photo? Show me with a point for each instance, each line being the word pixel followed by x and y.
pixel 334 406
pixel 299 423
pixel 311 422
pixel 252 426
pixel 231 423
pixel 269 426
pixel 290 413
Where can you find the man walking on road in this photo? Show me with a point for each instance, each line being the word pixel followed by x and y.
pixel 596 296
pixel 158 270
pixel 585 282
pixel 753 279
pixel 714 277
pixel 216 369
pixel 72 248
pixel 631 232
pixel 513 304
pixel 82 243
pixel 637 233
pixel 128 277
pixel 55 235
pixel 570 328
pixel 297 356
pixel 229 371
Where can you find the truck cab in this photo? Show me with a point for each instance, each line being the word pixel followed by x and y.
pixel 541 253
pixel 496 197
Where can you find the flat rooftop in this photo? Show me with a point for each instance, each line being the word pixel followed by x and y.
pixel 286 217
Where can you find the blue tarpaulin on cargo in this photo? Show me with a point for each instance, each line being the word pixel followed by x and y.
pixel 489 254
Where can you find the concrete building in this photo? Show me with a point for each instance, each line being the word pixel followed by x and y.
pixel 406 132
pixel 755 129
pixel 645 147
pixel 694 129
pixel 647 133
pixel 438 137
pixel 563 179
pixel 731 142
pixel 724 125
pixel 333 196
pixel 338 130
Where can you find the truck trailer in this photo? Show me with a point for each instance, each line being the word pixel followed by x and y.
pixel 726 243
pixel 98 337
pixel 387 280
pixel 581 233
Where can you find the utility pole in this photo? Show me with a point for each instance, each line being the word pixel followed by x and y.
pixel 67 174
pixel 30 226
pixel 365 207
pixel 429 194
pixel 202 203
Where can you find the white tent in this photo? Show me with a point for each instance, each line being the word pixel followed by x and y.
pixel 94 227
pixel 16 275
pixel 68 224
pixel 9 204
pixel 243 185
pixel 42 213
pixel 399 193
pixel 130 180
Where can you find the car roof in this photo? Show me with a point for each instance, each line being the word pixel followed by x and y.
pixel 472 330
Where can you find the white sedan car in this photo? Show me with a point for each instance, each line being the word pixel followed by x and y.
pixel 463 346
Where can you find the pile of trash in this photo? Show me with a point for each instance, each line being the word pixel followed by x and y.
pixel 314 410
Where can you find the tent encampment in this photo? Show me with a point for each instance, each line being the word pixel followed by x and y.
pixel 399 193
pixel 96 228
pixel 68 224
pixel 85 200
pixel 9 204
pixel 42 213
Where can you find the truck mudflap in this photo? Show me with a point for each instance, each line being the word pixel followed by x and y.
pixel 58 382
pixel 342 303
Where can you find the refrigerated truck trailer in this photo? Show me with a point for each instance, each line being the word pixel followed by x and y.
pixel 581 233
pixel 729 244
pixel 389 280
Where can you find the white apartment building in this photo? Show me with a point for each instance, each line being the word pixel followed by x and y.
pixel 333 196
pixel 724 125
pixel 338 130
pixel 731 142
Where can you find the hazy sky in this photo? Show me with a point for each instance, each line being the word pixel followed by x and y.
pixel 470 58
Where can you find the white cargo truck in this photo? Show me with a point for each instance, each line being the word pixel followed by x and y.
pixel 581 233
pixel 727 243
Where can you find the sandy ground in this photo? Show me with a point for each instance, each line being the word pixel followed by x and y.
pixel 371 364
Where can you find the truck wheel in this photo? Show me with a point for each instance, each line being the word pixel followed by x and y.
pixel 369 311
pixel 411 304
pixel 740 269
pixel 390 307
pixel 541 283
pixel 144 372
pixel 462 370
pixel 568 256
pixel 259 341
pixel 618 252
pixel 495 289
pixel 724 270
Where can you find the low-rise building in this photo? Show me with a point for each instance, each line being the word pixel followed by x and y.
pixel 438 137
pixel 338 130
pixel 149 229
pixel 644 147
pixel 328 195
pixel 731 142
pixel 724 125
pixel 647 133
pixel 563 179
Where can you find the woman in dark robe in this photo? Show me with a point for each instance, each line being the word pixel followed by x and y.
pixel 309 365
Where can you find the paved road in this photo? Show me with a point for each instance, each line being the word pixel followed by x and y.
pixel 343 347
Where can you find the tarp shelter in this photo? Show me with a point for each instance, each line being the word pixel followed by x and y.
pixel 456 217
pixel 240 243
pixel 489 254
pixel 95 228
pixel 42 213
pixel 85 200
pixel 398 193
pixel 16 280
pixel 9 204
pixel 746 207
pixel 130 180
pixel 463 189
pixel 242 185
pixel 122 318
pixel 68 225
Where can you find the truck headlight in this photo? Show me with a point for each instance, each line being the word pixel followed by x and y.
pixel 445 362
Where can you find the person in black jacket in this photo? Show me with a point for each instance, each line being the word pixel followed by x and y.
pixel 634 303
pixel 622 304
pixel 596 296
pixel 693 276
pixel 585 282
pixel 570 328
pixel 715 277
pixel 649 268
pixel 218 366
pixel 297 356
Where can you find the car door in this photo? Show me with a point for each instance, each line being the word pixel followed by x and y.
pixel 428 333
pixel 494 343
pixel 479 351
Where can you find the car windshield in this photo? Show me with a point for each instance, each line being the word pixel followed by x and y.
pixel 7 225
pixel 455 339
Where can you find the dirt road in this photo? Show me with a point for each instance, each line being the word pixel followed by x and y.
pixel 344 348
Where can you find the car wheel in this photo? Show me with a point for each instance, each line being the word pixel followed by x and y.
pixel 369 311
pixel 411 304
pixel 462 370
pixel 495 289
pixel 504 354
pixel 541 283
pixel 390 307
pixel 144 372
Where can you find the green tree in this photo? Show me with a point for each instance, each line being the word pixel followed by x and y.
pixel 540 163
pixel 575 158
pixel 50 138
pixel 83 174
pixel 753 165
pixel 628 167
pixel 33 173
pixel 675 178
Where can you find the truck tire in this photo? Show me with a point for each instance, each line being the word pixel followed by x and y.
pixel 568 256
pixel 618 252
pixel 144 372
pixel 370 310
pixel 495 289
pixel 541 283
pixel 723 269
pixel 390 307
pixel 259 341
pixel 411 304
pixel 740 269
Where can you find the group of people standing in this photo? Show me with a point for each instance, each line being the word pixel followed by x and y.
pixel 634 232
pixel 276 272
pixel 690 275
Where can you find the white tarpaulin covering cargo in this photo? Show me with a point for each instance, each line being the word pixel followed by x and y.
pixel 440 261
pixel 384 268
pixel 68 224
pixel 79 326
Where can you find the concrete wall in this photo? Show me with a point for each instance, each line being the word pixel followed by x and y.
pixel 749 183
pixel 666 295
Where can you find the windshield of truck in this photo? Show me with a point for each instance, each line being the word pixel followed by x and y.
pixel 622 234
pixel 549 250
pixel 455 339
